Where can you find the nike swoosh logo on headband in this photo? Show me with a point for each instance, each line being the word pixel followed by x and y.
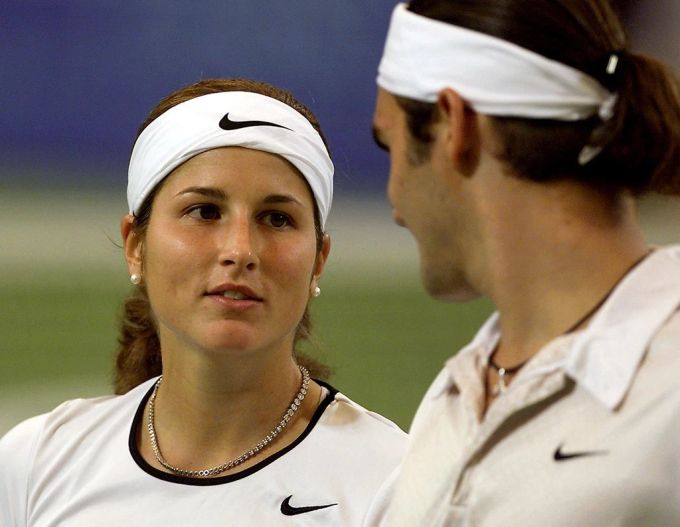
pixel 228 124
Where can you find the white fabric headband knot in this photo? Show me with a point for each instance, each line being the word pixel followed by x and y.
pixel 423 56
pixel 237 118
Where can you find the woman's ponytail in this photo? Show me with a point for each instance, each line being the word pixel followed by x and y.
pixel 139 355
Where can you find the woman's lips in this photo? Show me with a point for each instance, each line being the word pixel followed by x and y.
pixel 235 297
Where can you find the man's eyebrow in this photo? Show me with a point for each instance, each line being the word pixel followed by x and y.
pixel 209 192
pixel 378 141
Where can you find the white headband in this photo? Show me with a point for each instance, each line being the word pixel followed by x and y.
pixel 245 119
pixel 423 56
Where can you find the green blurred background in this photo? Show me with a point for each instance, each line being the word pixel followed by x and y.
pixel 63 282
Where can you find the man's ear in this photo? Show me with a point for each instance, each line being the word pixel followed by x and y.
pixel 462 137
pixel 132 245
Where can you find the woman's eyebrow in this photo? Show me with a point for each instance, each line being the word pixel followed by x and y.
pixel 209 192
pixel 281 198
pixel 219 194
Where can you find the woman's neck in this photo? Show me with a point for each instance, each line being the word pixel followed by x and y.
pixel 207 413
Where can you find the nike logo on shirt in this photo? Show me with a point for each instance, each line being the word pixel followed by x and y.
pixel 289 510
pixel 228 124
pixel 559 455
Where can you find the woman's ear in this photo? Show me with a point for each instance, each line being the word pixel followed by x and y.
pixel 462 136
pixel 321 259
pixel 132 245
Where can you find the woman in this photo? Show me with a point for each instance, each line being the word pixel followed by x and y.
pixel 519 133
pixel 218 421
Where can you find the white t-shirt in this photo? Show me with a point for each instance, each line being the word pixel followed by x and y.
pixel 587 434
pixel 79 466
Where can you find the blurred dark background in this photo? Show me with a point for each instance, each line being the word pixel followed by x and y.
pixel 79 76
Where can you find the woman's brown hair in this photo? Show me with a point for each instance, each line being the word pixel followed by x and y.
pixel 640 144
pixel 138 357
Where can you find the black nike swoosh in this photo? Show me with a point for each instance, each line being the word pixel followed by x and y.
pixel 228 124
pixel 562 456
pixel 288 510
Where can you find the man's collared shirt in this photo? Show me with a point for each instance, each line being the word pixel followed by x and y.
pixel 588 433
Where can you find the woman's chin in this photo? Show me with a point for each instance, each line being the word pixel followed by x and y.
pixel 232 336
pixel 236 344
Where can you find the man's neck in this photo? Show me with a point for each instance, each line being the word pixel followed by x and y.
pixel 551 254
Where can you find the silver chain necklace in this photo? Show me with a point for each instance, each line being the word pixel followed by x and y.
pixel 269 438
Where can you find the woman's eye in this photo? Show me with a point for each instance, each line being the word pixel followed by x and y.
pixel 278 220
pixel 204 212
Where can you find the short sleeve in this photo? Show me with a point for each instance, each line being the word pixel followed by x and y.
pixel 17 451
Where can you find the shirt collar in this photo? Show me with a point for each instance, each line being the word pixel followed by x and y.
pixel 462 363
pixel 604 357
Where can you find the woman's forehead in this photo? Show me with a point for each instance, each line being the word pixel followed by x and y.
pixel 240 171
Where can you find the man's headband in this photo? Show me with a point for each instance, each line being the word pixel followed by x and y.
pixel 495 77
pixel 236 118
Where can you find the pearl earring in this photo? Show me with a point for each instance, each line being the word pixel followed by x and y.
pixel 135 279
pixel 317 292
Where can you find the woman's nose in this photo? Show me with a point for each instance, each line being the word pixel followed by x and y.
pixel 237 247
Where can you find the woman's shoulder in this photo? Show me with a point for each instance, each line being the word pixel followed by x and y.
pixel 348 449
pixel 21 439
pixel 343 415
pixel 48 445
pixel 69 416
pixel 17 450
pixel 345 409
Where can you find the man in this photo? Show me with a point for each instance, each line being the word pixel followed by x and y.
pixel 518 134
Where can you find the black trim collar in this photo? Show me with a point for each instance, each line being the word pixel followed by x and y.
pixel 204 482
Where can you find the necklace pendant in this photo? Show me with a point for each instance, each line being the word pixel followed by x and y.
pixel 501 385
